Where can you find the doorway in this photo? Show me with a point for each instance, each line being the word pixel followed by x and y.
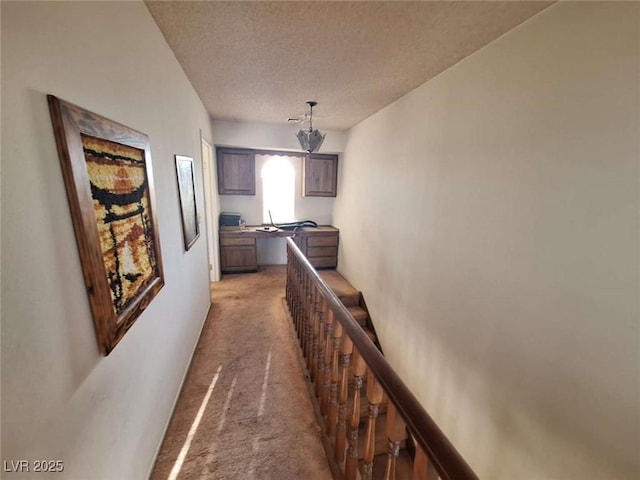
pixel 211 210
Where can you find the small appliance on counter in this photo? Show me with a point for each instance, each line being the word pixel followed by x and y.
pixel 228 219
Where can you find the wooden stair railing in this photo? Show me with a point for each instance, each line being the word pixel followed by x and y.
pixel 345 366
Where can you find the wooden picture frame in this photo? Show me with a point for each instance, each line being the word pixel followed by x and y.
pixel 108 177
pixel 187 195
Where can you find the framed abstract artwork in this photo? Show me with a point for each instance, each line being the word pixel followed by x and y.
pixel 109 182
pixel 187 193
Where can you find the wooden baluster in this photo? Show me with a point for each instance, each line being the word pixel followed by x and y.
pixel 294 296
pixel 300 302
pixel 320 313
pixel 315 325
pixel 301 310
pixel 346 349
pixel 320 353
pixel 298 306
pixel 422 470
pixel 313 338
pixel 328 353
pixel 359 371
pixel 396 432
pixel 374 396
pixel 294 299
pixel 332 417
pixel 305 317
pixel 288 284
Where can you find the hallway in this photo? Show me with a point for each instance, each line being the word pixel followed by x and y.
pixel 244 411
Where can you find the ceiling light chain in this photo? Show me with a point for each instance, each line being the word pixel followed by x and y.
pixel 311 105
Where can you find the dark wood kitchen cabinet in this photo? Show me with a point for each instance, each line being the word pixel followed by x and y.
pixel 238 248
pixel 236 171
pixel 238 252
pixel 320 175
pixel 320 245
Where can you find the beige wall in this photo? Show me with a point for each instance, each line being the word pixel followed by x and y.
pixel 104 417
pixel 491 219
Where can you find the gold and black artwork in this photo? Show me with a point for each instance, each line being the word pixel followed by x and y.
pixel 107 172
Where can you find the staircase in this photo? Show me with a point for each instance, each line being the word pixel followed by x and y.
pixel 373 426
pixel 354 301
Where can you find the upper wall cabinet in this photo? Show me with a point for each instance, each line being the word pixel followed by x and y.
pixel 320 176
pixel 236 171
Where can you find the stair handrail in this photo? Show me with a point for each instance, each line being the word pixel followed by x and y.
pixel 445 458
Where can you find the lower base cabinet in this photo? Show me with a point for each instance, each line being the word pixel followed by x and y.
pixel 239 253
pixel 320 246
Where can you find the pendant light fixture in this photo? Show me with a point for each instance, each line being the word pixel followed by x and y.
pixel 311 140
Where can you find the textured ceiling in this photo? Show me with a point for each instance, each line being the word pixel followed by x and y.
pixel 261 61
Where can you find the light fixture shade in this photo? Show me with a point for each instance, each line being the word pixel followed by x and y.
pixel 311 140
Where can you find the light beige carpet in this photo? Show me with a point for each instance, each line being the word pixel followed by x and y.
pixel 256 419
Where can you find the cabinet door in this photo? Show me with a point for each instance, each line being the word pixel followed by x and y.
pixel 320 176
pixel 236 171
pixel 238 258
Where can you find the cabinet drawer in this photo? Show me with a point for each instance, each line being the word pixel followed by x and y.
pixel 324 262
pixel 322 240
pixel 322 252
pixel 226 241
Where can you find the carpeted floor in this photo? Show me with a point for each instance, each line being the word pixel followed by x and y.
pixel 244 412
